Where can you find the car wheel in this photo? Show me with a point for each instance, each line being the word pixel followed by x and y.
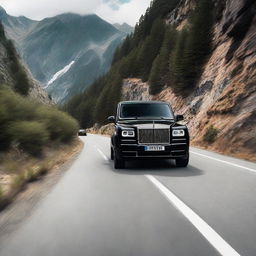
pixel 182 162
pixel 111 154
pixel 118 161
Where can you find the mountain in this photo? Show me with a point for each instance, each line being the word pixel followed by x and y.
pixel 16 27
pixel 197 55
pixel 65 53
pixel 126 28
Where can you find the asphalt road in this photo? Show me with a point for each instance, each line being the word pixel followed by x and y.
pixel 149 209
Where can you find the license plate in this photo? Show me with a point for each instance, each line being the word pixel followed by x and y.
pixel 154 148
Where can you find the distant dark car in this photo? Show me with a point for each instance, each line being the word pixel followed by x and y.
pixel 148 129
pixel 82 132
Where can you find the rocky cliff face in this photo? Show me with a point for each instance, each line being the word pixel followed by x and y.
pixel 6 78
pixel 135 89
pixel 225 96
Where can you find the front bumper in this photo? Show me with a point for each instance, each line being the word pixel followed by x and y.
pixel 172 151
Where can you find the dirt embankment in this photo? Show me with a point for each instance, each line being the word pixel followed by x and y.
pixel 18 170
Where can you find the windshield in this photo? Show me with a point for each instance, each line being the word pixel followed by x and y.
pixel 139 110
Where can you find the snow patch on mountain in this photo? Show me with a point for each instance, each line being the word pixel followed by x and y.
pixel 60 73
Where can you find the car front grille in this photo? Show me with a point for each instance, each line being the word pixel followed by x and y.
pixel 154 136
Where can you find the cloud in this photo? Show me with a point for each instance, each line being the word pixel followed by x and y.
pixel 128 12
pixel 111 10
pixel 115 4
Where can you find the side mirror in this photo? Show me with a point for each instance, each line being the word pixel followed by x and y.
pixel 112 119
pixel 179 118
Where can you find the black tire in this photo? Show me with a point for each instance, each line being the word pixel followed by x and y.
pixel 111 153
pixel 118 161
pixel 182 162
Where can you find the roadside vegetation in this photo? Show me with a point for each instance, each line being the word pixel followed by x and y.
pixel 30 126
pixel 157 53
pixel 33 136
pixel 32 139
pixel 211 134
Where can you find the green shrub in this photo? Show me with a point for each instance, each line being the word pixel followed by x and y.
pixel 30 124
pixel 13 107
pixel 31 136
pixel 17 107
pixel 60 125
pixel 211 134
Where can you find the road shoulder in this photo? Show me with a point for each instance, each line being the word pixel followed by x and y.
pixel 26 201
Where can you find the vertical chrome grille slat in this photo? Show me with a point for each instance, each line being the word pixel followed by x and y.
pixel 154 136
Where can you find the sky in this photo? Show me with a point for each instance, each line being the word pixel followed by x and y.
pixel 113 11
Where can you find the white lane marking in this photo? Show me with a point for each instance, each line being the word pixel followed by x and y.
pixel 102 154
pixel 212 236
pixel 223 161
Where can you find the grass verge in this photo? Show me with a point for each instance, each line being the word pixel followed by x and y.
pixel 18 169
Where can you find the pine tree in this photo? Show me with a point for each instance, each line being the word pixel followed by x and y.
pixel 155 85
pixel 177 63
pixel 150 49
pixel 159 75
pixel 192 49
pixel 198 45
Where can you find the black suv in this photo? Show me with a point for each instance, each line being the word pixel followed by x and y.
pixel 148 129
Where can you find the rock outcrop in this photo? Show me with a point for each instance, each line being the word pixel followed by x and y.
pixel 135 89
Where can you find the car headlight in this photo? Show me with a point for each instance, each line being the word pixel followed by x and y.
pixel 128 133
pixel 178 133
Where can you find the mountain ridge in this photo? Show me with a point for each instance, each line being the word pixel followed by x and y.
pixel 59 40
pixel 124 27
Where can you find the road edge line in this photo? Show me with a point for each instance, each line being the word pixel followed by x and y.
pixel 208 232
pixel 223 161
pixel 102 154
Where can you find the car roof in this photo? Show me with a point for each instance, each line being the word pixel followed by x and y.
pixel 142 101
